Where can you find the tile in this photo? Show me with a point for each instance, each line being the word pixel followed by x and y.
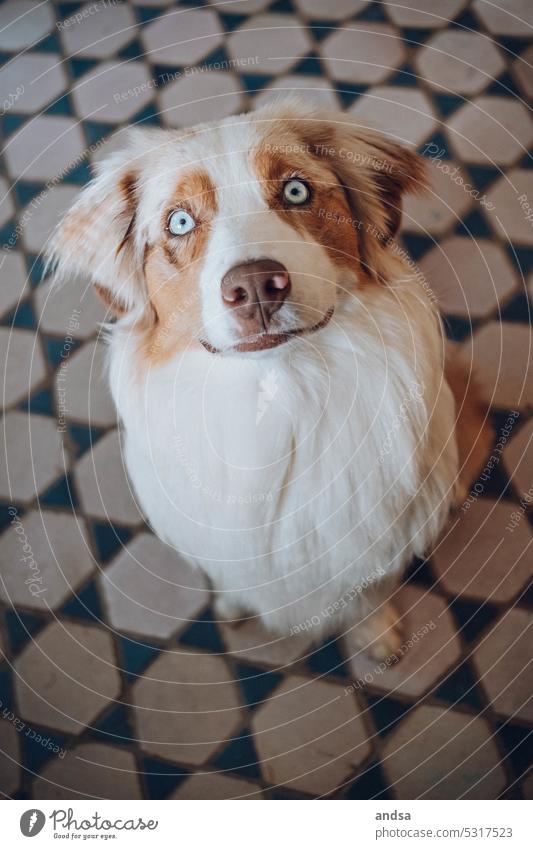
pixel 478 558
pixel 13 280
pixel 68 310
pixel 310 735
pixel 10 758
pixel 40 217
pixel 491 130
pixel 459 61
pixel 309 88
pixel 89 771
pixel 151 591
pixel 505 17
pixel 527 786
pixel 20 351
pixel 503 365
pixel 186 706
pixel 182 36
pixel 443 754
pixel 66 676
pixel 512 197
pixel 245 7
pixel 6 202
pixel 46 147
pixel 81 386
pixel 214 785
pixel 269 44
pixel 443 204
pixel 518 460
pixel 522 70
pixel 44 558
pixel 196 98
pixel 469 277
pixel 430 647
pixel 362 52
pixel 404 114
pixel 40 76
pixel 24 22
pixel 314 9
pixel 105 492
pixel 423 14
pixel 35 457
pixel 503 660
pixel 250 642
pixel 98 31
pixel 113 92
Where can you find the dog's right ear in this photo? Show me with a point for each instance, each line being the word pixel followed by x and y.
pixel 99 236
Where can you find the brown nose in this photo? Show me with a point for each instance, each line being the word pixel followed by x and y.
pixel 255 291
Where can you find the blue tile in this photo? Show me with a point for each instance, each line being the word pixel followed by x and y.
pixel 60 494
pixel 415 37
pixel 518 310
pixel 466 20
pixel 327 660
pixel 5 516
pixel 230 22
pixel 85 604
pixel 483 176
pixel 436 147
pixel 25 191
pixel 369 785
pixel 505 86
pixel 35 269
pixel 473 617
pixel 457 329
pixel 49 44
pixel 54 347
pixel 473 225
pixel 134 50
pixel 322 28
pixel 460 687
pixel 373 12
pixel 256 684
pixel 309 65
pixel 240 756
pixel 448 103
pixel 147 14
pixel 21 316
pixel 255 82
pixel 38 744
pixel 6 689
pixel 114 727
pixel 518 744
pixel 386 712
pixel 136 656
pixel 109 539
pixel 204 634
pixel 21 627
pixel 416 245
pixel 161 778
pixel 405 76
pixel 79 67
pixel 349 93
pixel 61 106
pixel 84 437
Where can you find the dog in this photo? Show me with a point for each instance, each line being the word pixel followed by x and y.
pixel 277 361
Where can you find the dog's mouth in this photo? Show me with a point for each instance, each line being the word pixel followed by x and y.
pixel 265 341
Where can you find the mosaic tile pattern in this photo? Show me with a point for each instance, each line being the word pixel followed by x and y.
pixel 118 681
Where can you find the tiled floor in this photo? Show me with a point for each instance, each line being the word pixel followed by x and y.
pixel 115 681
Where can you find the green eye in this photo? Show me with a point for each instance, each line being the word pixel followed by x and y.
pixel 296 192
pixel 181 222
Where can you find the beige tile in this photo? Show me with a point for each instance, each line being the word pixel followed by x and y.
pixel 505 17
pixel 44 558
pixel 81 384
pixel 35 456
pixel 459 61
pixel 503 364
pixel 478 558
pixel 150 591
pixel 518 460
pixel 443 754
pixel 426 14
pixel 249 641
pixel 215 785
pixel 522 69
pixel 23 23
pixel 13 280
pixel 182 36
pixel 105 491
pixel 44 148
pixel 404 114
pixel 443 204
pixel 113 92
pixel 308 88
pixel 362 52
pixel 512 216
pixel 98 32
pixel 200 97
pixel 274 43
pixel 66 676
pixel 430 648
pixel 503 662
pixel 314 9
pixel 10 758
pixel 71 309
pixel 41 216
pixel 6 202
pixel 186 706
pixel 491 130
pixel 468 277
pixel 20 351
pixel 89 771
pixel 310 735
pixel 40 76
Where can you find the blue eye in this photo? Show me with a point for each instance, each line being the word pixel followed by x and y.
pixel 295 191
pixel 180 222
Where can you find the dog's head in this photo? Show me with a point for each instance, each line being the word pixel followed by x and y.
pixel 240 235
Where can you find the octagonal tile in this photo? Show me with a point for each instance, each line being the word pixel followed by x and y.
pixel 66 676
pixel 151 591
pixel 24 364
pixel 491 130
pixel 105 491
pixel 430 647
pixel 423 14
pixel 113 92
pixel 479 558
pixel 200 97
pixel 10 758
pixel 44 558
pixel 404 114
pixel 33 80
pixel 512 197
pixel 468 277
pixel 35 456
pixel 182 36
pixel 249 641
pixel 269 44
pixel 6 202
pixel 98 33
pixel 502 360
pixel 24 22
pixel 443 754
pixel 362 52
pixel 314 9
pixel 444 204
pixel 13 280
pixel 213 785
pixel 505 17
pixel 81 385
pixel 308 88
pixel 71 309
pixel 518 460
pixel 522 69
pixel 44 148
pixel 459 61
pixel 186 706
pixel 310 735
pixel 89 771
pixel 39 220
pixel 503 662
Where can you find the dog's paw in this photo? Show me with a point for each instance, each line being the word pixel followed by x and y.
pixel 380 635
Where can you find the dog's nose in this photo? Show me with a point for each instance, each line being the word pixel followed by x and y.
pixel 255 291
